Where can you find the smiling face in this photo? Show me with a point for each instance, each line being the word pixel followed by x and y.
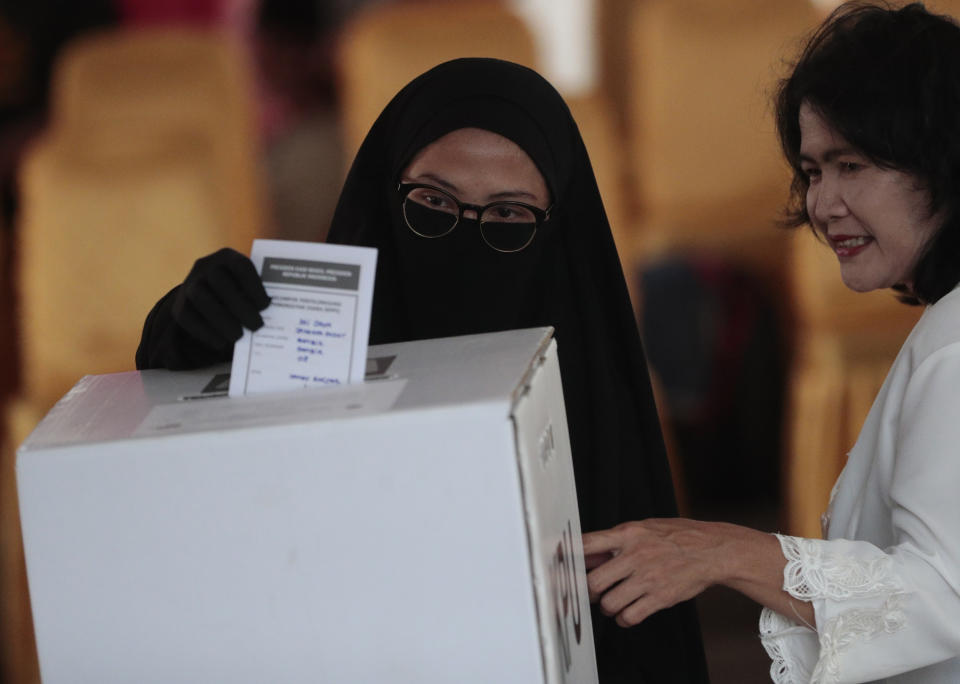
pixel 877 220
pixel 479 167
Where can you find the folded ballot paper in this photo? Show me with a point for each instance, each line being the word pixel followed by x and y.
pixel 315 330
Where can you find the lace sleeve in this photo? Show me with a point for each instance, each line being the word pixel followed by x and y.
pixel 818 570
pixel 889 608
pixel 787 643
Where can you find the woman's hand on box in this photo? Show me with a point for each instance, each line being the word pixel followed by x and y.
pixel 638 568
pixel 641 567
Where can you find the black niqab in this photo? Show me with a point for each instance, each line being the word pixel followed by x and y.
pixel 570 277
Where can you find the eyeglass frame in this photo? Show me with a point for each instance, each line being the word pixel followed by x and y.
pixel 540 216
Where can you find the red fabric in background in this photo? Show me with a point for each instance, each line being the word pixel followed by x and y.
pixel 233 15
pixel 150 12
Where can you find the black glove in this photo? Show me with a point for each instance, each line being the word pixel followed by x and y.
pixel 198 321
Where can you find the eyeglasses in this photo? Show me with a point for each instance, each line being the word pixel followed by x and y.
pixel 505 226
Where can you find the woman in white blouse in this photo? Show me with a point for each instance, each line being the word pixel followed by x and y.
pixel 869 119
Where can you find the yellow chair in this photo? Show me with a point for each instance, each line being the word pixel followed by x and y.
pixel 150 161
pixel 705 169
pixel 613 44
pixel 387 45
pixel 844 345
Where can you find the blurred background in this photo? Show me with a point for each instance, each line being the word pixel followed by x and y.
pixel 138 135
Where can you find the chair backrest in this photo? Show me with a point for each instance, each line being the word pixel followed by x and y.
pixel 149 163
pixel 143 92
pixel 700 125
pixel 385 46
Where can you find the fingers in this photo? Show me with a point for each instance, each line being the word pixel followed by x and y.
pixel 221 295
pixel 621 584
pixel 622 595
pixel 633 598
pixel 609 545
pixel 232 277
pixel 602 542
pixel 231 292
pixel 248 280
pixel 596 559
pixel 637 612
pixel 605 576
pixel 204 317
pixel 628 600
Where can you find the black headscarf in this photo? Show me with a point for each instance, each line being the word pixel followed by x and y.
pixel 569 277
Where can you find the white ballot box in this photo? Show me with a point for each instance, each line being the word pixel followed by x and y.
pixel 418 527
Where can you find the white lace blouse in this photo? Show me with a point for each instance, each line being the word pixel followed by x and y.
pixel 885 584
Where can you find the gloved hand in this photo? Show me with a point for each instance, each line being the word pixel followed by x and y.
pixel 222 295
pixel 198 321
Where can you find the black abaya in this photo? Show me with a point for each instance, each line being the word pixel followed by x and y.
pixel 570 277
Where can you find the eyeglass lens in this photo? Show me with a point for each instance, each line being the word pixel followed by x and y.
pixel 430 213
pixel 504 227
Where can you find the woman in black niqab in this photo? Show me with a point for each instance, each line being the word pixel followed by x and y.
pixel 568 277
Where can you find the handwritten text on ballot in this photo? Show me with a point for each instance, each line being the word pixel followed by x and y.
pixel 316 328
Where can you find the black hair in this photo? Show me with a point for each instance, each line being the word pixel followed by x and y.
pixel 886 79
